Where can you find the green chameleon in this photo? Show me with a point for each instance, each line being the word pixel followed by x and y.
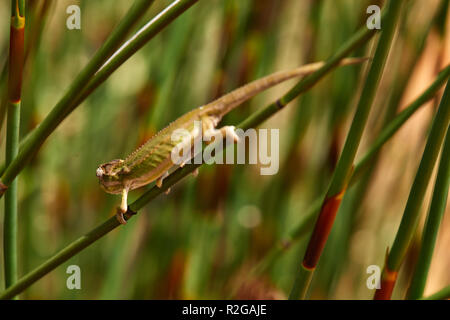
pixel 152 161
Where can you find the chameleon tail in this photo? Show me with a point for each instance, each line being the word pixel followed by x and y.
pixel 228 102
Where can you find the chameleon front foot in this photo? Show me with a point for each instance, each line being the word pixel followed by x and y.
pixel 123 207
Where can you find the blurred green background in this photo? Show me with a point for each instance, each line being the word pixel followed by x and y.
pixel 206 237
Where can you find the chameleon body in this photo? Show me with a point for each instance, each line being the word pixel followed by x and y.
pixel 152 161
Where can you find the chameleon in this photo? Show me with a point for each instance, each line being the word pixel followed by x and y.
pixel 152 161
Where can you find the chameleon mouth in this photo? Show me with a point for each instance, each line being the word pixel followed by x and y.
pixel 99 172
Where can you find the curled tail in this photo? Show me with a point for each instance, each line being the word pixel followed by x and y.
pixel 228 102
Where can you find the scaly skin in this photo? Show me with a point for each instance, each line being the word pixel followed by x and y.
pixel 152 160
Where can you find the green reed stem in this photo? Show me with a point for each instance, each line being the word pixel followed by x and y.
pixel 434 219
pixel 16 58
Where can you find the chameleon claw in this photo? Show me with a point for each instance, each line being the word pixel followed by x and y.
pixel 167 191
pixel 195 172
pixel 120 217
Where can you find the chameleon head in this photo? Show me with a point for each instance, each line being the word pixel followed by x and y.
pixel 109 176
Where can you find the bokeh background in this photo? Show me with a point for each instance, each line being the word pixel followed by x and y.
pixel 206 237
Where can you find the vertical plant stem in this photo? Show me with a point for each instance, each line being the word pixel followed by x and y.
pixel 16 58
pixel 434 219
pixel 344 167
pixel 411 215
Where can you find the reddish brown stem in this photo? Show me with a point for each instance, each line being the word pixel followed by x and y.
pixel 387 285
pixel 322 230
pixel 16 54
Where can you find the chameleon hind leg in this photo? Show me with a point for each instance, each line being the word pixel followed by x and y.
pixel 123 207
